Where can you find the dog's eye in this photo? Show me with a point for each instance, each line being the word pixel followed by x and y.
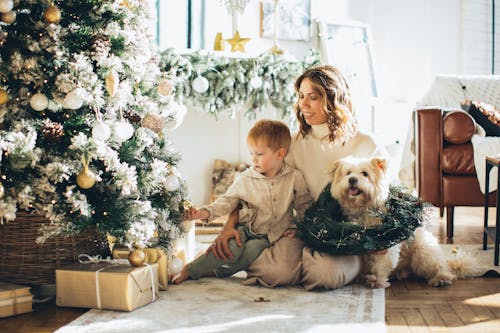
pixel 348 173
pixel 364 173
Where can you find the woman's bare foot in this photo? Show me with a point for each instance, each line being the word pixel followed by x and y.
pixel 181 277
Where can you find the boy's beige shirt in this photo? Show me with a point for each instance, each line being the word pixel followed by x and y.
pixel 271 201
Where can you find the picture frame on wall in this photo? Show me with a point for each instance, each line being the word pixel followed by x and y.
pixel 293 19
pixel 347 45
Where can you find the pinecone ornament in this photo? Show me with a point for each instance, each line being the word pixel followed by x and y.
pixel 133 117
pixel 52 131
pixel 100 45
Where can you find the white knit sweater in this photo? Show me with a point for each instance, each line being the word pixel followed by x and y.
pixel 313 154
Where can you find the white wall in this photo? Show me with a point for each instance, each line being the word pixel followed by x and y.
pixel 414 41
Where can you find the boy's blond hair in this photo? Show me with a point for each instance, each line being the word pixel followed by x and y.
pixel 273 133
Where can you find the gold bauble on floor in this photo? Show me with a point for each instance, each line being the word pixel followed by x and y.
pixel 52 15
pixel 137 257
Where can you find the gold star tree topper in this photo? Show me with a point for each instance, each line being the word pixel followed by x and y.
pixel 237 43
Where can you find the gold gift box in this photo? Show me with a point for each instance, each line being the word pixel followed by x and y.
pixel 14 299
pixel 106 286
pixel 153 256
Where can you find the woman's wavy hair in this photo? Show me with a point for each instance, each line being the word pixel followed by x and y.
pixel 335 94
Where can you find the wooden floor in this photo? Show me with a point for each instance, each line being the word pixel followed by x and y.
pixel 467 306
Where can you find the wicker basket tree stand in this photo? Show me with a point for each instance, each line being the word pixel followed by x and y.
pixel 23 261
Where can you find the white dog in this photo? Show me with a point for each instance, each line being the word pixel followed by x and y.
pixel 361 186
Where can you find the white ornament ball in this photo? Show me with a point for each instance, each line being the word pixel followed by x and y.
pixel 256 82
pixel 175 266
pixel 123 131
pixel 200 84
pixel 6 6
pixel 177 112
pixel 74 99
pixel 39 102
pixel 101 131
pixel 172 183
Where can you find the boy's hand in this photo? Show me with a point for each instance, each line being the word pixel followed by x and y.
pixel 290 233
pixel 195 214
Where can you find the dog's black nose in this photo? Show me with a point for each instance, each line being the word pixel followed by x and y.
pixel 353 180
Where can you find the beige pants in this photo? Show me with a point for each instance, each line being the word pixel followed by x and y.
pixel 288 262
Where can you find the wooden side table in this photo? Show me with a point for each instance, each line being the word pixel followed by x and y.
pixel 493 232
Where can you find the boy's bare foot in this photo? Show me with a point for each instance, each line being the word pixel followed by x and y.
pixel 181 277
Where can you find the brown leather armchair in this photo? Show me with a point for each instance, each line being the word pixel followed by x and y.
pixel 446 176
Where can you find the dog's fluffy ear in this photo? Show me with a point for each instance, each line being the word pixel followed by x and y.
pixel 335 170
pixel 379 163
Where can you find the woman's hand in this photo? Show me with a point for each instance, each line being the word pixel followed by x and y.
pixel 220 246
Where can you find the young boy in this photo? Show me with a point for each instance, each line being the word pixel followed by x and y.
pixel 267 191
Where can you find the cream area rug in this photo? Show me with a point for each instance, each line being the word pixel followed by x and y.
pixel 225 305
pixel 468 261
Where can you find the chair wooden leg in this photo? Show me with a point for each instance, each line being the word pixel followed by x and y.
pixel 449 221
pixel 441 211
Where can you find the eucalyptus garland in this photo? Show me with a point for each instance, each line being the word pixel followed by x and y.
pixel 325 229
pixel 255 82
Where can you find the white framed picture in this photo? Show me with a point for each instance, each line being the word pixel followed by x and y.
pixel 293 19
pixel 347 46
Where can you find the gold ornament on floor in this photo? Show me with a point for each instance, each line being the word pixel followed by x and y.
pixel 137 257
pixel 2 191
pixel 4 97
pixel 52 14
pixel 9 17
pixel 86 178
pixel 237 42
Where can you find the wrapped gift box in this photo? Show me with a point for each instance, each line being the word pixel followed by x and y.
pixel 153 256
pixel 14 299
pixel 106 286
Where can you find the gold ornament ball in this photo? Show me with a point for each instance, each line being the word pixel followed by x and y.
pixel 137 257
pixel 85 179
pixel 52 15
pixel 9 17
pixel 165 88
pixel 4 97
pixel 153 121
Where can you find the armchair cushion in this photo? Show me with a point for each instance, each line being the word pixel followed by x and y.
pixel 458 127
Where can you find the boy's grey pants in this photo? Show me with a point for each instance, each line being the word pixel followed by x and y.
pixel 253 245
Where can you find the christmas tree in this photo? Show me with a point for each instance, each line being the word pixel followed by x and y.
pixel 85 116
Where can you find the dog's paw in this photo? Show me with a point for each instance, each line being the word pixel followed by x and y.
pixel 442 279
pixel 372 282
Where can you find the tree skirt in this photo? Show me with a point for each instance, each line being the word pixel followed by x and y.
pixel 224 305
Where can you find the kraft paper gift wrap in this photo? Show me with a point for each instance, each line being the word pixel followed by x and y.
pixel 153 256
pixel 14 299
pixel 106 286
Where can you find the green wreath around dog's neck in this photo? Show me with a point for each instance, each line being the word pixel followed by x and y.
pixel 324 228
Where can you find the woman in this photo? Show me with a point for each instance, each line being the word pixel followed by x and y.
pixel 327 132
